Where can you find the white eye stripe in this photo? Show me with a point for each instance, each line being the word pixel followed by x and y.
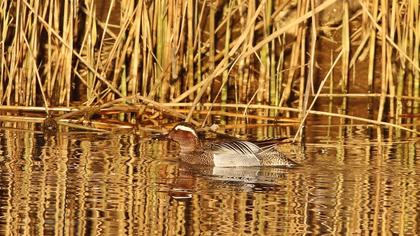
pixel 187 129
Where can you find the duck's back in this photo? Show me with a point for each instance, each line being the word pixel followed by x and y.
pixel 272 157
pixel 235 153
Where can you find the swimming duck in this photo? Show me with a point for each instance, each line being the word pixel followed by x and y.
pixel 225 153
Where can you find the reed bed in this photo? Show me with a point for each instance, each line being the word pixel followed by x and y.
pixel 281 57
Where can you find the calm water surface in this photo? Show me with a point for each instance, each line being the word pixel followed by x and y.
pixel 352 180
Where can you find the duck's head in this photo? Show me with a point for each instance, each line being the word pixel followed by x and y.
pixel 186 136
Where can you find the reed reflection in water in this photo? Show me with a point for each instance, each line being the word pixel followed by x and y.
pixel 91 184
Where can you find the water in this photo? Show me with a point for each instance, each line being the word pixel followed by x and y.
pixel 352 180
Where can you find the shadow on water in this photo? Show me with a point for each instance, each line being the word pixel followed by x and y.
pixel 350 181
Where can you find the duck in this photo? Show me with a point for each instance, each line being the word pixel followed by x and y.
pixel 230 153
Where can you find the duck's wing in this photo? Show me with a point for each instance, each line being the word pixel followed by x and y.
pixel 235 153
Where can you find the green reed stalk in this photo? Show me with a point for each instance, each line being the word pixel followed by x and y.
pixel 225 76
pixel 263 79
pixel 250 78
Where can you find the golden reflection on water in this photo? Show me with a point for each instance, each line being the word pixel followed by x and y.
pixel 351 182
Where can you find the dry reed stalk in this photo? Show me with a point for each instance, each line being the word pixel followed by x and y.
pixel 400 73
pixel 345 40
pixel 95 126
pixel 212 43
pixel 409 52
pixel 384 53
pixel 404 39
pixel 264 75
pixel 311 72
pixel 160 21
pixel 279 71
pixel 372 44
pixel 190 45
pixel 198 21
pixel 14 118
pixel 242 83
pixel 401 50
pixel 79 57
pixel 273 85
pixel 287 27
pixel 165 109
pixel 5 16
pixel 294 56
pixel 327 76
pixel 252 106
pixel 68 26
pixel 416 57
pixel 331 90
pixel 145 42
pixel 38 79
pixel 361 95
pixel 239 115
pixel 225 75
pixel 34 108
pixel 88 47
pixel 169 45
pixel 151 51
pixel 223 64
pixel 250 78
pixel 389 70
